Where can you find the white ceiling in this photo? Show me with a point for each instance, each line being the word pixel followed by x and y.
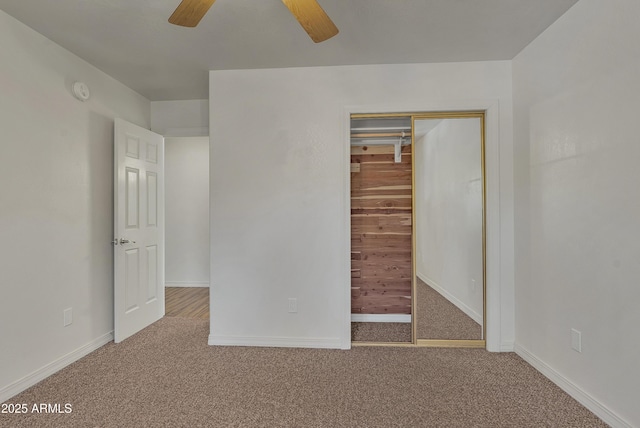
pixel 132 41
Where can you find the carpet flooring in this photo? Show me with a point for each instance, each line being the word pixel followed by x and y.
pixel 381 332
pixel 167 376
pixel 438 318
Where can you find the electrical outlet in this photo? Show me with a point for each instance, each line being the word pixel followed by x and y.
pixel 293 305
pixel 473 284
pixel 68 316
pixel 576 340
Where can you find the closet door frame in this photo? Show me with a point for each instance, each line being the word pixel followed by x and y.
pixel 447 343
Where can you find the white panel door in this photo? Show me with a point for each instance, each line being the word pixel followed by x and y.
pixel 138 229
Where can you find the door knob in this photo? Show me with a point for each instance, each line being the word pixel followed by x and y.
pixel 126 241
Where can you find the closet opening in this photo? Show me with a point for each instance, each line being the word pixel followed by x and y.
pixel 418 229
pixel 381 229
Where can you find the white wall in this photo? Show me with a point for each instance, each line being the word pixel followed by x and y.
pixel 279 191
pixel 576 95
pixel 448 192
pixel 182 118
pixel 187 211
pixel 56 214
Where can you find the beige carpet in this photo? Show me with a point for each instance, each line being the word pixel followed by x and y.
pixel 437 319
pixel 380 332
pixel 167 376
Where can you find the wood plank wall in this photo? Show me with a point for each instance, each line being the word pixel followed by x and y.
pixel 380 231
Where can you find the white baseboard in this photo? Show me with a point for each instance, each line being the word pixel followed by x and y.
pixel 450 297
pixel 186 284
pixel 507 346
pixel 44 372
pixel 581 396
pixel 380 318
pixel 277 342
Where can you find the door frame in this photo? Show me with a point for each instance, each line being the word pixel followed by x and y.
pixel 493 255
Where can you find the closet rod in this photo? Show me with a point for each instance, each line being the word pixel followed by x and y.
pixel 383 128
pixel 383 134
pixel 382 142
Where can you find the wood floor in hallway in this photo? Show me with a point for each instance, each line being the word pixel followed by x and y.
pixel 187 302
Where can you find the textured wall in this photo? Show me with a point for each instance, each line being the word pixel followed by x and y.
pixel 56 220
pixel 576 98
pixel 279 191
pixel 183 118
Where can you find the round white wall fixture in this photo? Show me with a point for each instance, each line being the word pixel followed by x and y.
pixel 81 91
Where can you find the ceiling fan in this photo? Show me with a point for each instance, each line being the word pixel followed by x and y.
pixel 309 14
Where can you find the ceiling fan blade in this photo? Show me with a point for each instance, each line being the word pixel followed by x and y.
pixel 313 19
pixel 190 12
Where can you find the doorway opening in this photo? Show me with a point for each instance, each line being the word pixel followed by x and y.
pixel 187 227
